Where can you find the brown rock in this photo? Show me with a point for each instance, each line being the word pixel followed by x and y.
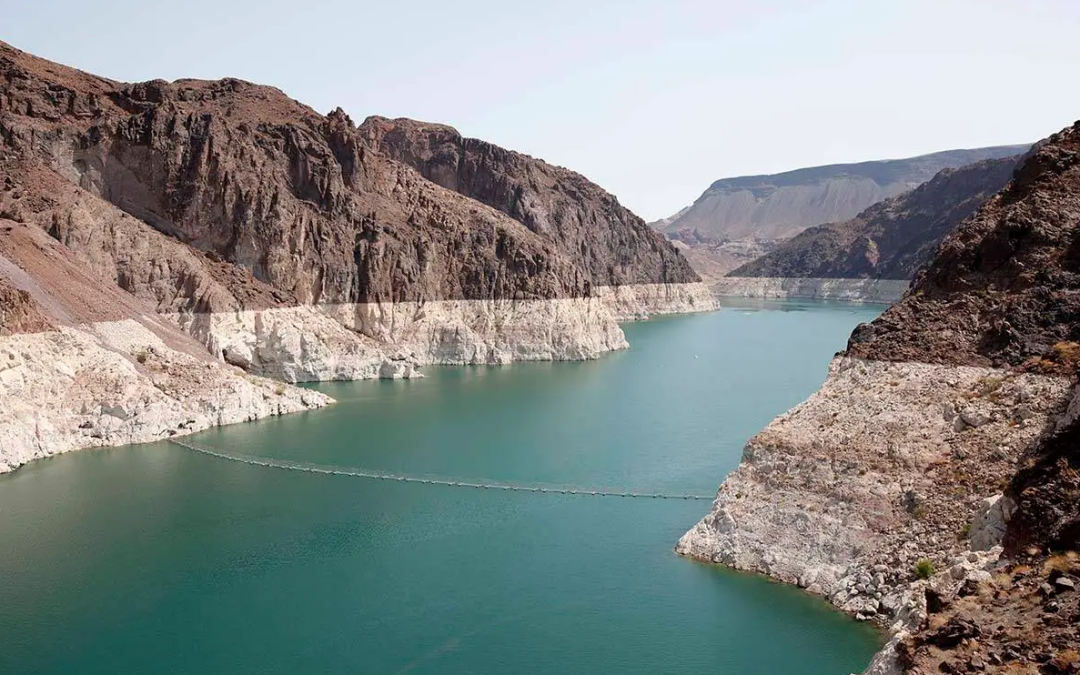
pixel 278 204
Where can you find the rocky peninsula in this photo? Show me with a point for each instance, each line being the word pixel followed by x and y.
pixel 930 484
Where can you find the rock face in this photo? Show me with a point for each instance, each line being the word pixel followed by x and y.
pixel 84 363
pixel 860 475
pixel 616 247
pixel 278 206
pixel 319 209
pixel 1044 495
pixel 893 238
pixel 1025 617
pixel 882 492
pixel 1005 287
pixel 288 244
pixel 114 383
pixel 18 313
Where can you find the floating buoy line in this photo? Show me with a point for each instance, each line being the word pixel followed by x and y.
pixel 538 488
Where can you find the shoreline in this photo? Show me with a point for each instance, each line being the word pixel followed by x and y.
pixel 843 494
pixel 869 291
pixel 152 378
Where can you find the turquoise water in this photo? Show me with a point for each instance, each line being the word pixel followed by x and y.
pixel 156 559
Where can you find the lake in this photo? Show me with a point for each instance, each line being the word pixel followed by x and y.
pixel 155 558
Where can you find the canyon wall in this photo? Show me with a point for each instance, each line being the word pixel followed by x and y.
pixel 781 205
pixel 254 237
pixel 893 238
pixel 890 490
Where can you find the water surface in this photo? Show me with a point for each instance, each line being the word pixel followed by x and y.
pixel 156 559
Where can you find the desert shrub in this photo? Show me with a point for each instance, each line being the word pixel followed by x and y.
pixel 964 533
pixel 924 569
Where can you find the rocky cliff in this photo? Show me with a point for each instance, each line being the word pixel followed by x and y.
pixel 884 491
pixel 739 219
pixel 613 245
pixel 781 205
pixel 296 245
pixel 893 238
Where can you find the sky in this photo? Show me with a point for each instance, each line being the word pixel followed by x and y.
pixel 652 99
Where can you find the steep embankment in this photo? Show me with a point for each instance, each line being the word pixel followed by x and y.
pixel 904 452
pixel 615 247
pixel 764 210
pixel 295 245
pixel 83 363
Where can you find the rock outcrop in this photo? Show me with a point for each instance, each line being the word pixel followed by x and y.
pixel 84 363
pixel 882 492
pixel 613 245
pixel 114 383
pixel 290 244
pixel 893 238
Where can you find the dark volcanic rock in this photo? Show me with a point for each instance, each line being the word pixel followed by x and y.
pixel 893 238
pixel 1005 287
pixel 1047 494
pixel 615 246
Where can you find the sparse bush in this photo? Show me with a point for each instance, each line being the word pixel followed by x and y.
pixel 964 533
pixel 989 384
pixel 1063 359
pixel 142 356
pixel 280 390
pixel 924 569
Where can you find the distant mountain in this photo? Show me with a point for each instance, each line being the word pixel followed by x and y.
pixel 664 222
pixel 782 205
pixel 893 238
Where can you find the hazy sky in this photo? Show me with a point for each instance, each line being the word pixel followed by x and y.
pixel 652 99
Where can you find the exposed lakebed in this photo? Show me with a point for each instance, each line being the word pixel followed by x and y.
pixel 157 559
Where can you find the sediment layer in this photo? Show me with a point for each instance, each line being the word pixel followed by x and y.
pixel 846 290
pixel 352 341
pixel 638 301
pixel 886 465
pixel 117 382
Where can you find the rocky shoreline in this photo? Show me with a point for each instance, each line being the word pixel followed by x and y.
pixel 115 383
pixel 355 341
pixel 845 290
pixel 253 236
pixel 848 492
pixel 141 380
pixel 932 483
